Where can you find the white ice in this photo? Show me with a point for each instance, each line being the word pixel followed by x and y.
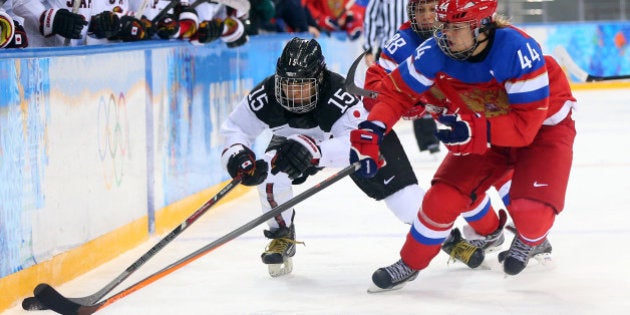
pixel 348 236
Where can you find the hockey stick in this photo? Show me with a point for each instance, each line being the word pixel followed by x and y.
pixel 565 59
pixel 33 303
pixel 60 304
pixel 140 12
pixel 75 9
pixel 351 86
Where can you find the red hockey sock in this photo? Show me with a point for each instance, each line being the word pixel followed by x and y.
pixel 532 219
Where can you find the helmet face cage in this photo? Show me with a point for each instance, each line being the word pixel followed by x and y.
pixel 475 15
pixel 297 95
pixel 412 7
pixel 299 75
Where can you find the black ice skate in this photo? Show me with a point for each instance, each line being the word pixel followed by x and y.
pixel 392 277
pixel 516 258
pixel 278 253
pixel 460 249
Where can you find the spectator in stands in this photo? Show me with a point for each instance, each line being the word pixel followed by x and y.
pixel 337 17
pixel 260 15
pixel 293 17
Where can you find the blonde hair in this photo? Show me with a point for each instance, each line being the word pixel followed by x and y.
pixel 501 21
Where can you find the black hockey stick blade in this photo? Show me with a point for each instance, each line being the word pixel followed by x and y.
pixel 351 86
pixel 36 303
pixel 60 304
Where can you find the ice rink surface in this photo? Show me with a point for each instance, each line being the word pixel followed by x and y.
pixel 347 236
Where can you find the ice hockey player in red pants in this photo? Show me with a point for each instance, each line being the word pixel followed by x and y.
pixel 506 108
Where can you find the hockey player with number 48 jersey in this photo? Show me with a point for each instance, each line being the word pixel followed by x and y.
pixel 504 106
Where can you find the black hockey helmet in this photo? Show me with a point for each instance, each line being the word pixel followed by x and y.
pixel 299 75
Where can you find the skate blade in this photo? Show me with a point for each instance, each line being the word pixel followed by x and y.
pixel 544 259
pixel 376 289
pixel 278 270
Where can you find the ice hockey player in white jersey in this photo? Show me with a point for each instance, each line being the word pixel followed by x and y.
pixel 49 23
pixel 310 114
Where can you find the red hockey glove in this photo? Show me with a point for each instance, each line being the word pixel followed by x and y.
pixel 465 133
pixel 329 24
pixel 365 143
pixel 188 21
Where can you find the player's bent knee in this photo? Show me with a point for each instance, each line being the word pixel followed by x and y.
pixel 443 203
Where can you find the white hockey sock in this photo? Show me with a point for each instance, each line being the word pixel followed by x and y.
pixel 405 203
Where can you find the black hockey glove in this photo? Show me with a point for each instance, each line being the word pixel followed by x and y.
pixel 12 34
pixel 20 40
pixel 309 171
pixel 168 27
pixel 208 31
pixel 234 34
pixel 295 156
pixel 240 160
pixel 104 25
pixel 132 29
pixel 61 22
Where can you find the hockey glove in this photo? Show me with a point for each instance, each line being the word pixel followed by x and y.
pixel 208 31
pixel 365 143
pixel 309 172
pixel 295 156
pixel 464 133
pixel 329 24
pixel 240 160
pixel 7 29
pixel 234 34
pixel 188 21
pixel 133 29
pixel 104 25
pixel 20 40
pixel 61 22
pixel 168 27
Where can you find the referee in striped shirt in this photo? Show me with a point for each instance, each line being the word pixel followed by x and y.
pixel 381 21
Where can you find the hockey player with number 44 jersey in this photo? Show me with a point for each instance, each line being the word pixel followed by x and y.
pixel 504 107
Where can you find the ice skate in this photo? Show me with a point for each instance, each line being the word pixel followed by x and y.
pixel 392 277
pixel 489 243
pixel 460 249
pixel 516 258
pixel 278 254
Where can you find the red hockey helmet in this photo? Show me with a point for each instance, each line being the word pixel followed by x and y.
pixel 458 11
pixel 476 15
